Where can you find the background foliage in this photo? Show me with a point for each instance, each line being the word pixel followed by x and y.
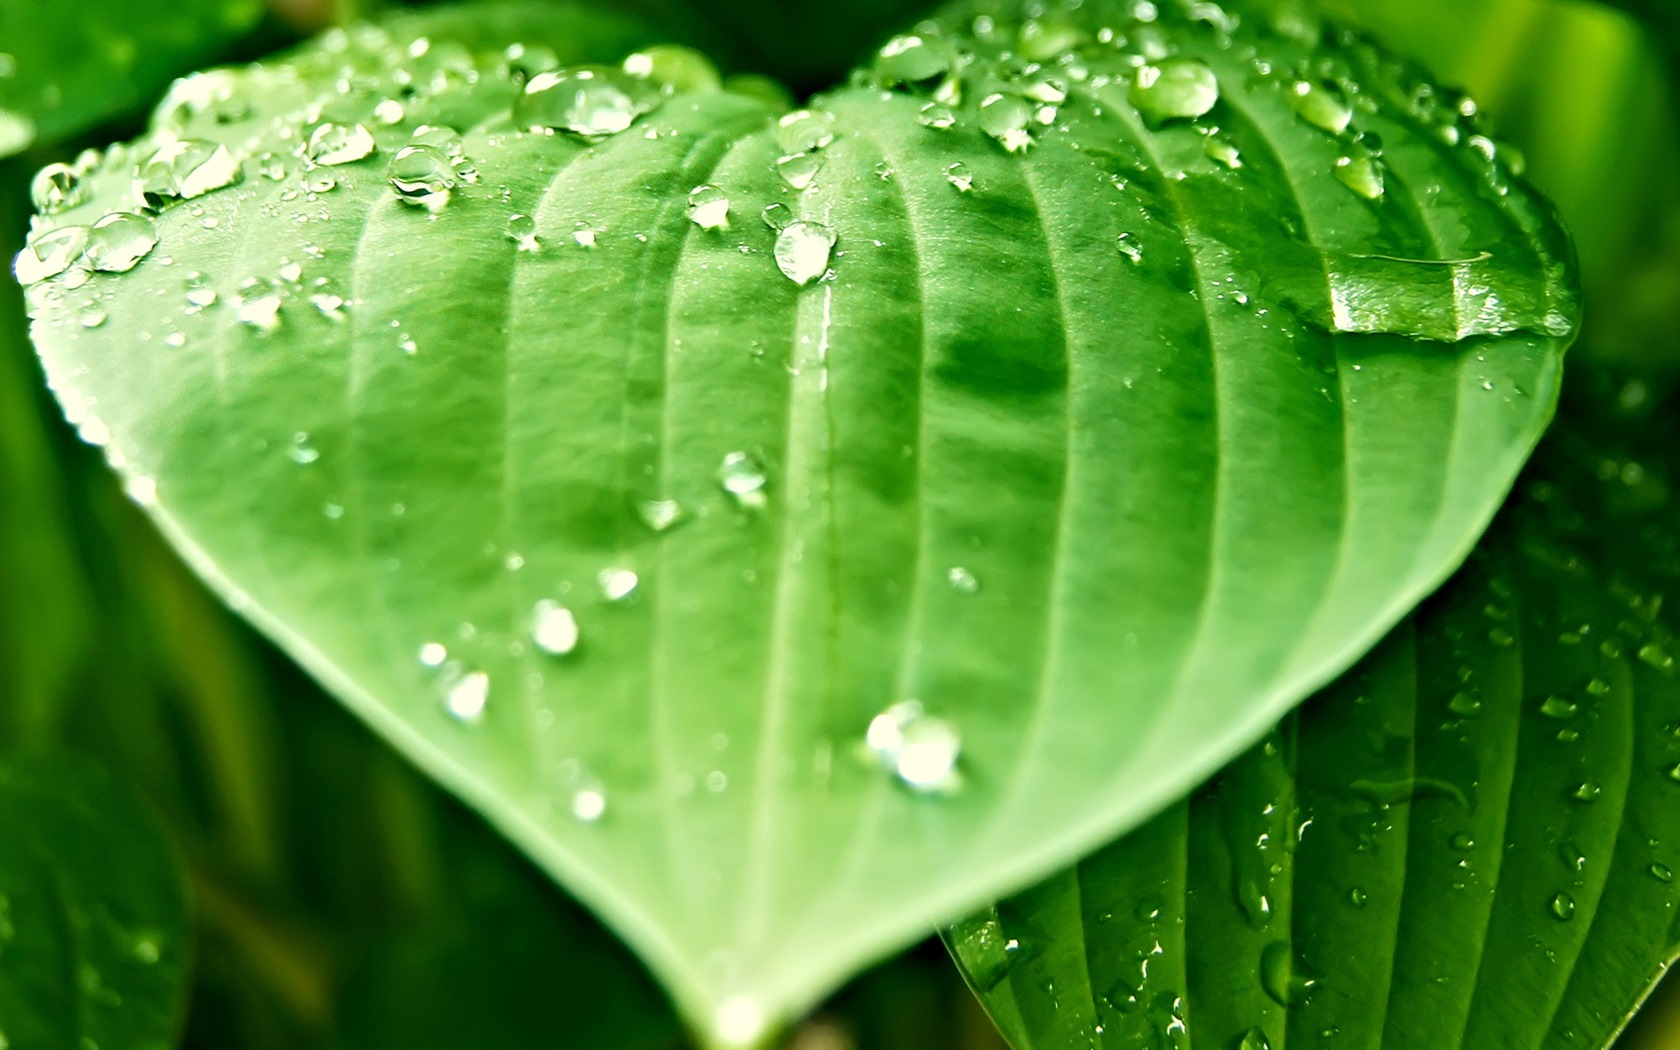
pixel 336 888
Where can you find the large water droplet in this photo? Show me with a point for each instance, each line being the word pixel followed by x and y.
pixel 256 302
pixel 433 654
pixel 799 170
pixel 589 802
pixel 708 207
pixel 522 231
pixel 805 130
pixel 50 254
pixel 1006 118
pixel 1322 105
pixel 986 951
pixel 962 580
pixel 589 101
pixel 1254 1039
pixel 1282 977
pixel 468 696
pixel 553 628
pixel 1360 171
pixel 743 478
pixel 1563 907
pixel 1130 248
pixel 937 116
pixel 921 750
pixel 119 241
pixel 960 177
pixel 912 59
pixel 674 69
pixel 617 584
pixel 55 188
pixel 1558 707
pixel 1177 89
pixel 422 176
pixel 778 216
pixel 185 168
pixel 330 145
pixel 17 132
pixel 660 515
pixel 803 251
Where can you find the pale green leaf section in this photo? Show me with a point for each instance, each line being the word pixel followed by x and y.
pixel 1107 449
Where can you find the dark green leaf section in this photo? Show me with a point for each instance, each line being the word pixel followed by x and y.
pixel 1103 433
pixel 93 919
pixel 1471 840
pixel 65 67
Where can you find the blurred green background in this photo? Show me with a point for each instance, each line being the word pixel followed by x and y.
pixel 343 902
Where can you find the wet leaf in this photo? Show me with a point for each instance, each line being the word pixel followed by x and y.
pixel 977 463
pixel 1471 840
pixel 93 917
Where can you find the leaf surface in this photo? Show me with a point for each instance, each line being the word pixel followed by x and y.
pixel 93 915
pixel 66 67
pixel 1105 449
pixel 1470 841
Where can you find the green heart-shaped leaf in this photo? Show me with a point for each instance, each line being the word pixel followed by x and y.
pixel 93 915
pixel 1469 842
pixel 65 67
pixel 783 584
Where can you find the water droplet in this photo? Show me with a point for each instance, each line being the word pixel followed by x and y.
pixel 912 59
pixel 739 1022
pixel 184 169
pixel 617 584
pixel 674 69
pixel 962 580
pixel 987 953
pixel 799 170
pixel 1656 656
pixel 660 515
pixel 1282 977
pixel 589 803
pixel 1006 118
pixel 467 697
pixel 1177 89
pixel 743 478
pixel 17 132
pixel 50 254
pixel 1598 686
pixel 330 145
pixel 592 102
pixel 433 654
pixel 1587 791
pixel 522 231
pixel 958 175
pixel 256 302
pixel 584 236
pixel 553 628
pixel 1130 248
pixel 803 251
pixel 1464 842
pixel 1464 705
pixel 119 241
pixel 805 131
pixel 146 949
pixel 422 176
pixel 1254 1039
pixel 92 317
pixel 920 750
pixel 1662 873
pixel 302 452
pixel 1322 105
pixel 1674 773
pixel 1223 152
pixel 708 207
pixel 1563 907
pixel 390 111
pixel 55 188
pixel 1359 170
pixel 1558 707
pixel 937 116
pixel 1358 897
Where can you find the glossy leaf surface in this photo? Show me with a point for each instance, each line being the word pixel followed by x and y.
pixel 1470 841
pixel 1104 408
pixel 93 917
pixel 65 67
